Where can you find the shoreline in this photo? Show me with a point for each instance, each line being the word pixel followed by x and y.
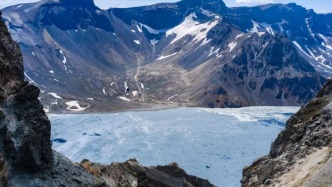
pixel 160 108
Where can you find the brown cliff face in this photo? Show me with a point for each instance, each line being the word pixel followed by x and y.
pixel 301 152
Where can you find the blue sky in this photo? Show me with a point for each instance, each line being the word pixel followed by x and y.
pixel 321 6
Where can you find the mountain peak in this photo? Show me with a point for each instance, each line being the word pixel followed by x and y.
pixel 82 3
pixel 217 6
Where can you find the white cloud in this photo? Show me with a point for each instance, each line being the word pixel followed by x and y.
pixel 252 2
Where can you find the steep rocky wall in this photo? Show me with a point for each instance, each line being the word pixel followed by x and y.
pixel 301 154
pixel 25 129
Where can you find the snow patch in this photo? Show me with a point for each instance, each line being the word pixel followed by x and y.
pixel 126 86
pixel 232 46
pixel 46 109
pixel 309 28
pixel 191 27
pixel 167 56
pixel 326 44
pixel 255 27
pixel 124 98
pixel 104 91
pixel 300 48
pixel 212 51
pixel 54 95
pixel 33 53
pixel 207 12
pixel 75 106
pixel 320 59
pixel 152 30
pixel 64 60
pixel 238 36
pixel 135 93
pixel 133 31
pixel 260 27
pixel 171 97
pixel 30 80
pixel 139 28
pixel 267 27
pixel 154 41
pixel 137 42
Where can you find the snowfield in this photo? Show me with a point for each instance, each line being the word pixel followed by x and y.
pixel 214 144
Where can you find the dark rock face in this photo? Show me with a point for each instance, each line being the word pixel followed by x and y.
pixel 24 125
pixel 305 143
pixel 11 70
pixel 131 173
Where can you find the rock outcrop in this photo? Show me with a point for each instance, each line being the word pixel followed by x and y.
pixel 131 173
pixel 301 154
pixel 26 155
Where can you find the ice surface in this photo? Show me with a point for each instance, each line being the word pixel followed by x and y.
pixel 211 143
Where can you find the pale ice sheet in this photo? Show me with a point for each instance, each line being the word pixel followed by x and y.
pixel 211 143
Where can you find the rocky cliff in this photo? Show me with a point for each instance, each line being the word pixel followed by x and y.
pixel 301 154
pixel 26 156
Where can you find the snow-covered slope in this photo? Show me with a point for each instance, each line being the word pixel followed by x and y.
pixel 212 143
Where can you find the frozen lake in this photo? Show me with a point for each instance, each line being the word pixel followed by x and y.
pixel 214 144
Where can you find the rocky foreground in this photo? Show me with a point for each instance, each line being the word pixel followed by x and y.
pixel 26 156
pixel 301 155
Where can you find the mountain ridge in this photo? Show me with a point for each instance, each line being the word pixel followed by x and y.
pixel 135 56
